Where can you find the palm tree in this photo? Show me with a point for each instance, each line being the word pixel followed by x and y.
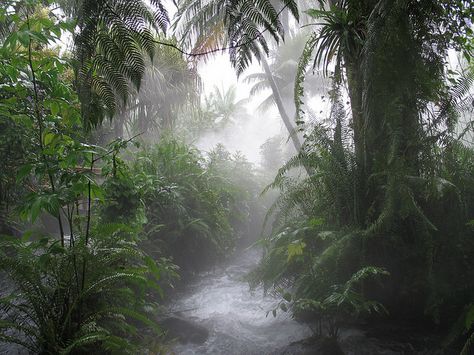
pixel 340 40
pixel 224 105
pixel 170 83
pixel 385 63
pixel 240 25
pixel 109 43
pixel 279 77
pixel 110 39
pixel 205 24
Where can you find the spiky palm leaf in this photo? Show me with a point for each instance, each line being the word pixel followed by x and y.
pixel 284 69
pixel 245 23
pixel 328 191
pixel 110 46
pixel 340 37
pixel 225 106
pixel 170 84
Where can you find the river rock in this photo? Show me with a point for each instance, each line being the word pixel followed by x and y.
pixel 184 330
pixel 313 346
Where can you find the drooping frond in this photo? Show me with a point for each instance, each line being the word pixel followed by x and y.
pixel 301 76
pixel 246 23
pixel 110 46
pixel 170 84
pixel 468 345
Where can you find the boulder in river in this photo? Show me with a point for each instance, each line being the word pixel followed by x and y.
pixel 313 346
pixel 184 330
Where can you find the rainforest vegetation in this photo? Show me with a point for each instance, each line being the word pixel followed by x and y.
pixel 121 184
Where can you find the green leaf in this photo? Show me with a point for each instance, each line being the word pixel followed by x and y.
pixel 470 318
pixel 51 204
pixel 54 107
pixel 316 222
pixel 295 249
pixel 12 72
pixel 24 171
pixel 56 248
pixel 44 261
pixel 48 138
pixel 315 13
pixel 23 38
pixel 11 40
pixel 153 267
pixel 35 210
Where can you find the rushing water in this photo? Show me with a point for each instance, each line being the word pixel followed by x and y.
pixel 235 316
pixel 222 302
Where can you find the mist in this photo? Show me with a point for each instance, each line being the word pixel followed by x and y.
pixel 236 177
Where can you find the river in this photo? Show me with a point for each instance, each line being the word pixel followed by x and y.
pixel 236 322
pixel 235 316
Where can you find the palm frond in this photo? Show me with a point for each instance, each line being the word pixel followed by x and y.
pixel 110 45
pixel 301 71
pixel 245 23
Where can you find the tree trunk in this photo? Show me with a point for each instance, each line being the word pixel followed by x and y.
pixel 281 108
pixel 118 126
pixel 354 83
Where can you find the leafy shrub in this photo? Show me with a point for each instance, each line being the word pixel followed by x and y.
pixel 342 302
pixel 412 228
pixel 186 216
pixel 196 209
pixel 308 266
pixel 122 197
pixel 240 186
pixel 82 298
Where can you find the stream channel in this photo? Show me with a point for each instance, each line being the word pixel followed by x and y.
pixel 232 318
pixel 235 316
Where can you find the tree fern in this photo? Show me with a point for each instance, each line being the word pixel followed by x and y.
pixel 301 72
pixel 54 313
pixel 109 50
pixel 468 346
pixel 169 87
pixel 245 23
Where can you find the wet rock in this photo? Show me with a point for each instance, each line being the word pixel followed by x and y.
pixel 314 345
pixel 184 330
pixel 361 345
pixel 391 339
pixel 353 341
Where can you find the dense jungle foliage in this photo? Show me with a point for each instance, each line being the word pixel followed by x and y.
pixel 105 202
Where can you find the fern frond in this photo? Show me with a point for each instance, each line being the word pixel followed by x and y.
pixel 90 338
pixel 468 346
pixel 109 49
pixel 245 22
pixel 301 71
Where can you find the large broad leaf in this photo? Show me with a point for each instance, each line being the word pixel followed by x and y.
pixel 295 249
pixel 24 171
pixel 40 203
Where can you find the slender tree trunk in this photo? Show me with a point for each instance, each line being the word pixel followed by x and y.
pixel 118 126
pixel 281 108
pixel 354 81
pixel 39 119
